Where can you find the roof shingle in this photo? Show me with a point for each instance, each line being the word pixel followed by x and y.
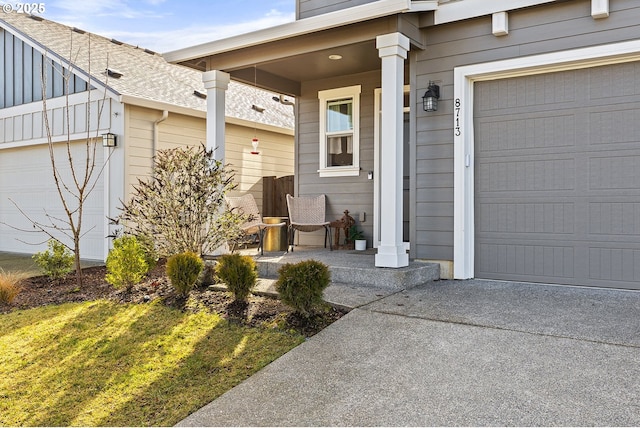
pixel 145 74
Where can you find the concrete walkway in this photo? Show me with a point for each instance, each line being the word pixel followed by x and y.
pixel 472 353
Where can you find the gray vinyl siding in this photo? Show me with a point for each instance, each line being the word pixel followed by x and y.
pixel 343 193
pixel 543 29
pixel 308 8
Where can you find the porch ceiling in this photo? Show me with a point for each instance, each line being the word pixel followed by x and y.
pixel 282 65
pixel 356 58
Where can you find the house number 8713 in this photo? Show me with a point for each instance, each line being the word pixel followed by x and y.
pixel 457 106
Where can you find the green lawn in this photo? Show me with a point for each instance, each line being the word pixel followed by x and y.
pixel 104 363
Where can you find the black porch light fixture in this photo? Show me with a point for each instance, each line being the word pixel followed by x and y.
pixel 430 98
pixel 109 140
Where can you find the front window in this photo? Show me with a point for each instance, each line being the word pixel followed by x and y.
pixel 339 132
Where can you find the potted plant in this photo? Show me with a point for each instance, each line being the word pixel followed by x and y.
pixel 356 235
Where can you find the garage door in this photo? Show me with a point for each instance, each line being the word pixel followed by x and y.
pixel 26 179
pixel 557 177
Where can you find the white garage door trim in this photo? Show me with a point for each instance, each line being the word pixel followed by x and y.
pixel 464 79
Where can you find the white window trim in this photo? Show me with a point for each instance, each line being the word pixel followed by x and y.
pixel 464 79
pixel 336 94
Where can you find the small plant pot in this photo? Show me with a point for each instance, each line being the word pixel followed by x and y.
pixel 361 244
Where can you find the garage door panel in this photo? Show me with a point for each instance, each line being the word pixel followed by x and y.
pixel 527 175
pixel 521 133
pixel 537 262
pixel 557 183
pixel 615 218
pixel 525 217
pixel 621 265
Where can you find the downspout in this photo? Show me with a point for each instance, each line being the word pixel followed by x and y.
pixel 154 143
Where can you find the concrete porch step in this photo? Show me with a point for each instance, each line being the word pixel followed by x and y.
pixel 352 267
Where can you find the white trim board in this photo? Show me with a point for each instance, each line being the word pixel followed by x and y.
pixel 326 21
pixel 463 140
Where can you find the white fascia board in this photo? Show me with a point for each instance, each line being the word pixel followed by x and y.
pixel 368 11
pixel 261 126
pixel 202 114
pixel 465 9
pixel 159 105
pixel 55 139
pixel 54 103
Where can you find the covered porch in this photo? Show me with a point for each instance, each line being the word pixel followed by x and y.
pixel 322 61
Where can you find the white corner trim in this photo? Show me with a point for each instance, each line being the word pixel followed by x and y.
pixel 325 21
pixel 500 23
pixel 459 10
pixel 463 140
pixel 599 9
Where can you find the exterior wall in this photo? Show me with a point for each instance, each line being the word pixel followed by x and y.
pixel 275 158
pixel 343 193
pixel 549 28
pixel 177 130
pixel 308 8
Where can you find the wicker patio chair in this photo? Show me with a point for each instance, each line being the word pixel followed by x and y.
pixel 307 214
pixel 246 204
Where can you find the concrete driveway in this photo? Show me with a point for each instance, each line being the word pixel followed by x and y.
pixel 471 353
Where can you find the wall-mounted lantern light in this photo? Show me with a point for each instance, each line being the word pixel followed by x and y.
pixel 109 140
pixel 430 98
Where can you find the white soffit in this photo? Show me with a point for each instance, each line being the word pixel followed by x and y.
pixel 376 9
pixel 465 9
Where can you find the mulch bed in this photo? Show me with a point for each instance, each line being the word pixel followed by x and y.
pixel 259 311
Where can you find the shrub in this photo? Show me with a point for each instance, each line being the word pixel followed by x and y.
pixel 57 261
pixel 183 206
pixel 301 285
pixel 126 263
pixel 183 270
pixel 239 273
pixel 9 285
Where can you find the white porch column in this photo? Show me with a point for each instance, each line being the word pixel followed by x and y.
pixel 216 83
pixel 392 49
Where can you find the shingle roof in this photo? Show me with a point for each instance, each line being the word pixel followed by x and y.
pixel 145 74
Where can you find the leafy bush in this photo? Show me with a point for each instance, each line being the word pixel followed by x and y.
pixel 9 285
pixel 56 262
pixel 301 285
pixel 182 206
pixel 126 263
pixel 239 272
pixel 183 270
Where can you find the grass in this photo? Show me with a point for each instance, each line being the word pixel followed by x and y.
pixel 102 363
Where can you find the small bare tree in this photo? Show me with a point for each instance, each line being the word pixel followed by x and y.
pixel 84 172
